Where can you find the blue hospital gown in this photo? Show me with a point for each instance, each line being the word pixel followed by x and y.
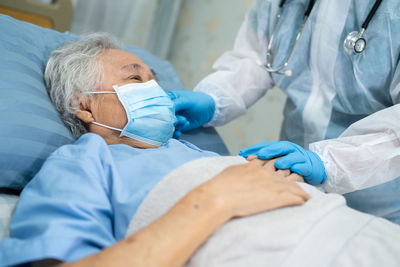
pixel 84 197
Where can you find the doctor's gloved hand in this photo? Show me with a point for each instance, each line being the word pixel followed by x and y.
pixel 299 160
pixel 192 109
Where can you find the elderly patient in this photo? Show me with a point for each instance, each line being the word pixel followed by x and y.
pixel 78 207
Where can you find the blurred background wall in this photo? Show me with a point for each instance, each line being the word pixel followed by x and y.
pixel 191 34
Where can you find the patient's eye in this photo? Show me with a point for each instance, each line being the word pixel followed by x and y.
pixel 136 77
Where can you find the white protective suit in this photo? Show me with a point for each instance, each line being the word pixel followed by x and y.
pixel 328 90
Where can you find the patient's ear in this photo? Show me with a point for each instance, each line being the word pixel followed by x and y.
pixel 84 113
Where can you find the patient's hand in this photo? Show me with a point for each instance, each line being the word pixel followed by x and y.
pixel 285 174
pixel 251 188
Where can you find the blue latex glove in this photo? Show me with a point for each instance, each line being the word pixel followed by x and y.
pixel 299 160
pixel 192 109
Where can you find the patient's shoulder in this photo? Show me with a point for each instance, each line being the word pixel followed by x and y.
pixel 89 145
pixel 85 161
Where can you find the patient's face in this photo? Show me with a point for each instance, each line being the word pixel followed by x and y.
pixel 120 68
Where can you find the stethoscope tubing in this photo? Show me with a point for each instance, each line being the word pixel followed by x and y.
pixel 349 43
pixel 268 64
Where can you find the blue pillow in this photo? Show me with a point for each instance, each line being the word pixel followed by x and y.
pixel 30 127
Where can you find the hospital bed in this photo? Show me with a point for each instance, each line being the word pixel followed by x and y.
pixel 30 127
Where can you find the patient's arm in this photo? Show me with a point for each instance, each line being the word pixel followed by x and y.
pixel 239 190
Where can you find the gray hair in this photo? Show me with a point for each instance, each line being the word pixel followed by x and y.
pixel 74 69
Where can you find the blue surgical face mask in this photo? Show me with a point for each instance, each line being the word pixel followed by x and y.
pixel 150 112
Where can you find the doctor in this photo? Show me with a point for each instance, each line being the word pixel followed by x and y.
pixel 338 64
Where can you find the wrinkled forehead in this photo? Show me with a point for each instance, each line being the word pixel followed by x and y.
pixel 122 60
pixel 121 67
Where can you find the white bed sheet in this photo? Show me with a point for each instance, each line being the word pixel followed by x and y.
pixel 322 232
pixel 7 206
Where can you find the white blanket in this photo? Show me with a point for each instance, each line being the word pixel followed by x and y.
pixel 322 232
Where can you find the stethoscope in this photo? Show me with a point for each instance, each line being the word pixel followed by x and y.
pixel 354 41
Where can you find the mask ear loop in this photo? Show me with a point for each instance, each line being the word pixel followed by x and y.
pixel 106 126
pixel 100 124
pixel 100 92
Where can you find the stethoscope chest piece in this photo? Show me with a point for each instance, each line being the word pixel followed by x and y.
pixel 354 43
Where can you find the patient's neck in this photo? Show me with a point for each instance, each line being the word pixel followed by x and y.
pixel 113 138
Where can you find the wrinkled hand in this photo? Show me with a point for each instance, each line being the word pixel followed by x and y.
pixel 192 109
pixel 304 162
pixel 285 174
pixel 255 187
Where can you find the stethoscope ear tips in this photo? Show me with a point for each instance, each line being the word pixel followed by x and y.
pixel 354 43
pixel 288 73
